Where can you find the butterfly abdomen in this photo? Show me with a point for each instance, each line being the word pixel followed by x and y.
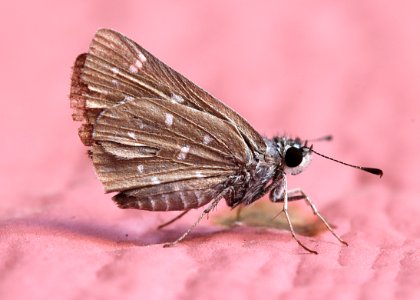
pixel 180 200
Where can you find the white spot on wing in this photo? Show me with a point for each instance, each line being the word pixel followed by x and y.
pixel 155 180
pixel 184 151
pixel 132 135
pixel 169 119
pixel 142 57
pixel 177 98
pixel 115 82
pixel 138 64
pixel 140 124
pixel 198 174
pixel 207 139
pixel 133 69
pixel 115 70
pixel 126 99
pixel 140 168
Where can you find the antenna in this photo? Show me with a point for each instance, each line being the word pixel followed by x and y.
pixel 325 138
pixel 373 171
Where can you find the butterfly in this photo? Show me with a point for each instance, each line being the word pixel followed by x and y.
pixel 164 144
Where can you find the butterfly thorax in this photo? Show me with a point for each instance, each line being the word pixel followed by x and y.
pixel 250 185
pixel 265 173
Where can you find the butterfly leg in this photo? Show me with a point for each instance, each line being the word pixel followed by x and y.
pixel 298 194
pixel 208 209
pixel 278 193
pixel 173 219
pixel 289 222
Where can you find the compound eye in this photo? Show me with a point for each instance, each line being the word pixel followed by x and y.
pixel 293 157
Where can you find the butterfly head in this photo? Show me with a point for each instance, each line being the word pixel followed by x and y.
pixel 294 153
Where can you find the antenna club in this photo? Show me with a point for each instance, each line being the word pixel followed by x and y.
pixel 325 138
pixel 373 171
pixel 328 138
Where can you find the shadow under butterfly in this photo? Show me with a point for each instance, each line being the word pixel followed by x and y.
pixel 164 144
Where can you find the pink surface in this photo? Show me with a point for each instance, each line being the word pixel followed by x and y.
pixel 302 67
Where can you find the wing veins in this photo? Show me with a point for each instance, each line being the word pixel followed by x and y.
pixel 196 125
pixel 119 140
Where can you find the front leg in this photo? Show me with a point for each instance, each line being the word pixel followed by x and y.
pixel 298 194
pixel 280 194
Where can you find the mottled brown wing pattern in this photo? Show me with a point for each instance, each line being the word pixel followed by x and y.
pixel 154 136
pixel 153 183
pixel 170 127
pixel 130 125
pixel 169 152
pixel 116 59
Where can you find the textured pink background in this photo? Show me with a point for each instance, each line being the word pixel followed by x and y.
pixel 308 68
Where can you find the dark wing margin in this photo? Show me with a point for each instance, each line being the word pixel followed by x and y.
pixel 154 136
pixel 78 94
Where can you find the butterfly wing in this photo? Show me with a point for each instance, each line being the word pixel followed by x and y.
pixel 155 137
pixel 162 165
pixel 113 58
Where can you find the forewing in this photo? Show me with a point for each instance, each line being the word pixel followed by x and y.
pixel 170 126
pixel 116 67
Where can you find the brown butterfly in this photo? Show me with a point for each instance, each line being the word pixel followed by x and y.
pixel 165 144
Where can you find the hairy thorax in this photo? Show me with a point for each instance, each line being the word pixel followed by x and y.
pixel 253 183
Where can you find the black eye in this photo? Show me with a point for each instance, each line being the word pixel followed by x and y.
pixel 293 157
